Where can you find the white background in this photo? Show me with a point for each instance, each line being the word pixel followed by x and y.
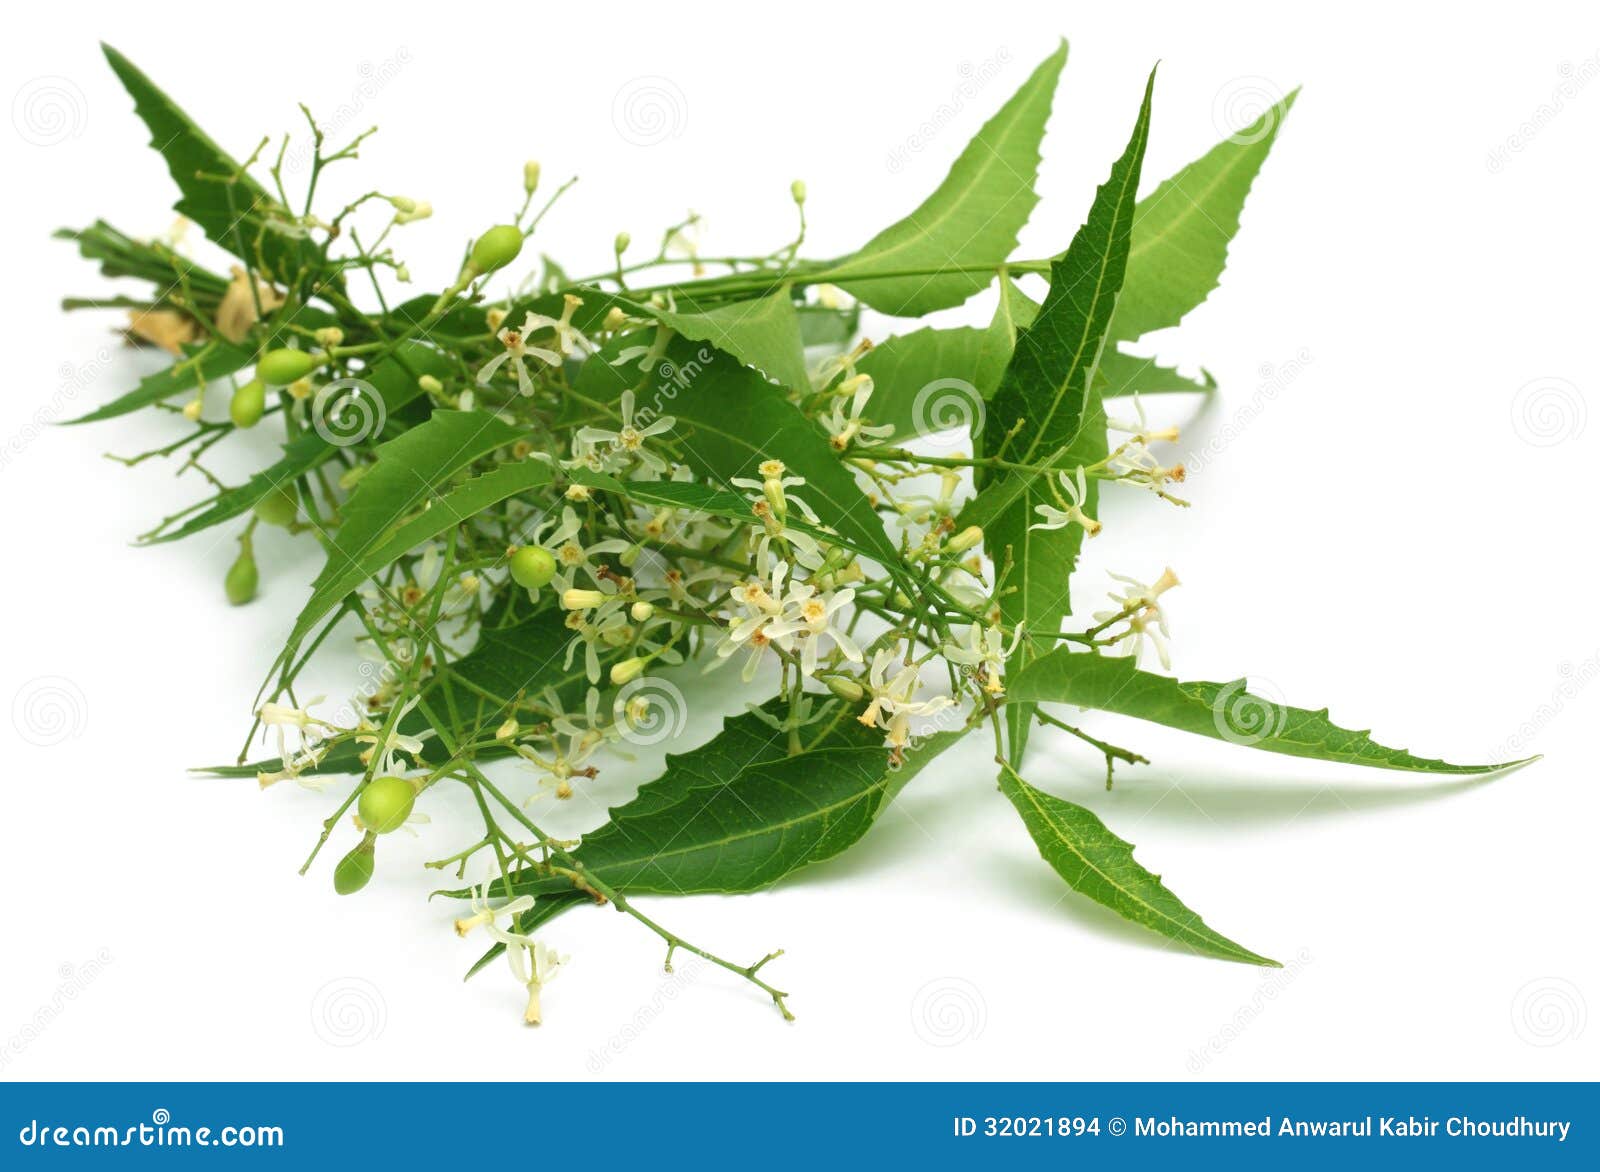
pixel 1401 529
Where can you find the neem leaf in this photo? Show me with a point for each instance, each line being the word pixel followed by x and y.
pixel 1182 228
pixel 730 419
pixel 1128 374
pixel 1050 385
pixel 739 813
pixel 218 195
pixel 1228 712
pixel 926 381
pixel 763 333
pixel 971 219
pixel 1098 864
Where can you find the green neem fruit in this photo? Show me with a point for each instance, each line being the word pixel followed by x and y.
pixel 386 804
pixel 243 578
pixel 248 402
pixel 355 869
pixel 279 368
pixel 496 248
pixel 533 566
pixel 278 507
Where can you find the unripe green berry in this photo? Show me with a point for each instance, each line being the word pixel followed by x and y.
pixel 242 578
pixel 355 869
pixel 533 566
pixel 496 248
pixel 247 404
pixel 386 804
pixel 279 368
pixel 278 507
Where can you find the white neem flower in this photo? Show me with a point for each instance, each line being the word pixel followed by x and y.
pixel 1076 489
pixel 517 351
pixel 893 697
pixel 630 437
pixel 535 965
pixel 844 427
pixel 1140 431
pixel 1140 605
pixel 986 652
pixel 485 913
pixel 568 337
pixel 279 717
pixel 389 746
pixel 807 619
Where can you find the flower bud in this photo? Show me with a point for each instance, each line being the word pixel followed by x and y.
pixel 507 730
pixel 248 403
pixel 576 599
pixel 620 244
pixel 430 384
pixel 628 670
pixel 530 176
pixel 279 368
pixel 496 248
pixel 642 611
pixel 242 578
pixel 798 190
pixel 355 869
pixel 845 689
pixel 615 319
pixel 329 336
pixel 965 540
pixel 191 409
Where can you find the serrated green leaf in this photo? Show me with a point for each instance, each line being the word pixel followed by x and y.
pixel 1098 864
pixel 231 208
pixel 395 381
pixel 1050 384
pixel 406 499
pixel 209 360
pixel 1127 374
pixel 972 219
pixel 1228 712
pixel 1182 229
pixel 762 332
pixel 121 255
pixel 925 381
pixel 730 419
pixel 739 813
